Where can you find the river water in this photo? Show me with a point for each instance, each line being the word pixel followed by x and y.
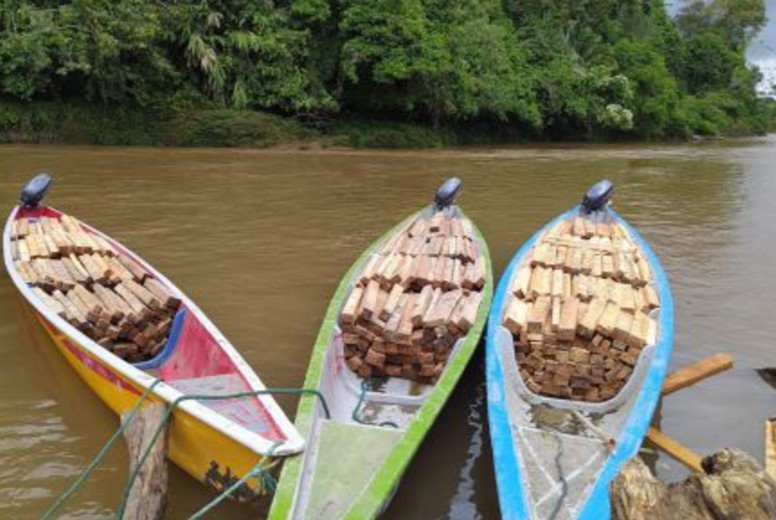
pixel 260 239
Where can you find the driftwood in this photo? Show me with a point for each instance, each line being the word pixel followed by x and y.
pixel 734 487
pixel 148 497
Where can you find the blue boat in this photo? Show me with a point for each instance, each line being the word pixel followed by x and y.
pixel 555 455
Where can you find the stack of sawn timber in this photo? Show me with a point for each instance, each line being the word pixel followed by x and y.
pixel 579 310
pixel 414 299
pixel 97 288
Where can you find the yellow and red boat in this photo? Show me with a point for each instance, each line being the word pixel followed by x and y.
pixel 215 441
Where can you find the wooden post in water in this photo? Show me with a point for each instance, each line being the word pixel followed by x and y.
pixel 770 447
pixel 148 497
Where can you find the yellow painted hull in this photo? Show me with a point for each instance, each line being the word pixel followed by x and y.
pixel 208 455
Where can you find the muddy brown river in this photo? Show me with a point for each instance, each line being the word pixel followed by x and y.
pixel 260 239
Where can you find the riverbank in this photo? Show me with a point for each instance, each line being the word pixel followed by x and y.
pixel 97 124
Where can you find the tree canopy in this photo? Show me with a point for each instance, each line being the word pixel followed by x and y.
pixel 578 69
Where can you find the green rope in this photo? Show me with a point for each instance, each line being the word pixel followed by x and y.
pixel 258 469
pixel 75 486
pixel 356 415
pixel 267 479
pixel 174 404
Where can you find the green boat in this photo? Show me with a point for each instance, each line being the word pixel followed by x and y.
pixel 371 419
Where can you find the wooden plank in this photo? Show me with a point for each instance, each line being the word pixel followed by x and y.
pixel 469 313
pixel 608 320
pixel 369 300
pixel 691 374
pixel 537 314
pixel 588 322
pixel 516 316
pixel 50 302
pixel 443 308
pixel 675 450
pixel 348 315
pixel 24 250
pixel 567 327
pixel 421 305
pixel 162 292
pixel 134 302
pixel 770 447
pixel 136 269
pixel 555 313
pixel 521 282
pixel 404 330
pixel 391 302
pixel 144 295
pixel 147 499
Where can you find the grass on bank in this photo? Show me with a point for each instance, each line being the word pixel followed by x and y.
pixel 95 124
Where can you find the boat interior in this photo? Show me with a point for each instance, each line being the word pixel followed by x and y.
pixel 564 444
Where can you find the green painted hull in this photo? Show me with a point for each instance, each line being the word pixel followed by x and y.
pixel 382 483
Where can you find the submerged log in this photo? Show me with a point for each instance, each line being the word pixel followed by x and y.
pixel 733 486
pixel 148 497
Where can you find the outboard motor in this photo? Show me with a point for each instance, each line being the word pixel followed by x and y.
pixel 447 193
pixel 35 190
pixel 598 196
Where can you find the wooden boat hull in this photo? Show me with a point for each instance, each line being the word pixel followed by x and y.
pixel 197 448
pixel 512 466
pixel 210 447
pixel 387 452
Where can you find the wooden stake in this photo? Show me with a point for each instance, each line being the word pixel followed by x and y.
pixel 147 499
pixel 770 447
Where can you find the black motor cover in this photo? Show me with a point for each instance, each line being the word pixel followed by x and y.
pixel 598 196
pixel 448 192
pixel 35 190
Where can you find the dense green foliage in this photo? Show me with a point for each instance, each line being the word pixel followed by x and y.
pixel 516 69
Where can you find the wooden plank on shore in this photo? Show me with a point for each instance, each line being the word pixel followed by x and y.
pixel 691 374
pixel 675 450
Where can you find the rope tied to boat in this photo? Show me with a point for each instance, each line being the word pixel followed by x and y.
pixel 267 479
pixel 257 471
pixel 76 485
pixel 366 386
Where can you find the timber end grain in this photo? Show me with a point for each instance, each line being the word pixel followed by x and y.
pixel 579 310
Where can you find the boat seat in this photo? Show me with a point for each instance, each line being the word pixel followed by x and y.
pixel 169 347
pixel 246 412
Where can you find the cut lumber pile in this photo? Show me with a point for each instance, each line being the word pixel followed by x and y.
pixel 414 299
pixel 581 310
pixel 94 285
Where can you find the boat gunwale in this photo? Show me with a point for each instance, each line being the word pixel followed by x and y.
pixel 164 391
pixel 513 502
pixel 385 480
